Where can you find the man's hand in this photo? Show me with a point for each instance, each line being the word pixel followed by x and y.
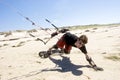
pixel 54 34
pixel 97 68
pixel 93 65
pixel 63 30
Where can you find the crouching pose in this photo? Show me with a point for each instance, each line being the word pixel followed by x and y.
pixel 68 40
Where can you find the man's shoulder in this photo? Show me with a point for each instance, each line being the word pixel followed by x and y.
pixel 70 34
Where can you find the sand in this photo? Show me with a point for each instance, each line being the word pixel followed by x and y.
pixel 19 59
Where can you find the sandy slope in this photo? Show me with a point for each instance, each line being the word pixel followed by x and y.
pixel 19 59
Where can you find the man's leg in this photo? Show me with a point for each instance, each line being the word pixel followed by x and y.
pixel 60 44
pixel 67 49
pixel 54 46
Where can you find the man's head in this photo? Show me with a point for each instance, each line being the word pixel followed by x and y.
pixel 83 38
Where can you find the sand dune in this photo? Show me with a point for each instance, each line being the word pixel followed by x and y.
pixel 19 59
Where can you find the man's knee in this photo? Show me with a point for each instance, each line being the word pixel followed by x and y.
pixel 66 51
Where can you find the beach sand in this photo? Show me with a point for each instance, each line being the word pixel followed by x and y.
pixel 19 59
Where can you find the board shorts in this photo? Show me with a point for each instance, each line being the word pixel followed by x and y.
pixel 62 45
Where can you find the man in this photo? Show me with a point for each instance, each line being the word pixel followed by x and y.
pixel 67 41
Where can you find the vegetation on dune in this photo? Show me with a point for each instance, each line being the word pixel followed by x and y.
pixel 94 26
pixel 113 57
pixel 19 44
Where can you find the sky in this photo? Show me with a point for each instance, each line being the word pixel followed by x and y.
pixel 59 12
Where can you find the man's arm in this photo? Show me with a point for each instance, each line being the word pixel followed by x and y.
pixel 89 59
pixel 92 63
pixel 64 30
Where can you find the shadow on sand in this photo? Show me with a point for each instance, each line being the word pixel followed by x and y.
pixel 65 65
pixel 62 65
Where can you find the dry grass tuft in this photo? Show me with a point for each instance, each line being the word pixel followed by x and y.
pixel 114 58
pixel 19 44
